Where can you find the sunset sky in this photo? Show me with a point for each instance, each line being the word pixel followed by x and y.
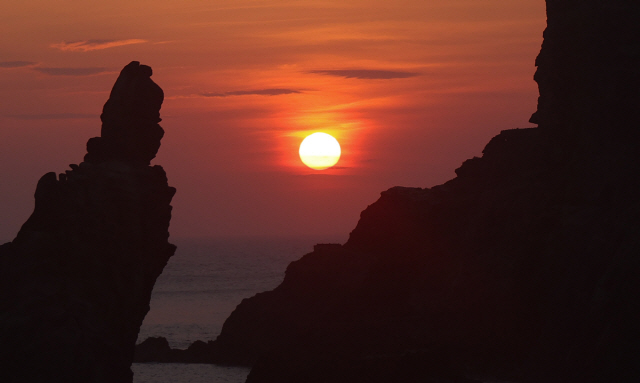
pixel 410 88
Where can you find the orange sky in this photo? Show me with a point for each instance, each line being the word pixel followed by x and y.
pixel 410 88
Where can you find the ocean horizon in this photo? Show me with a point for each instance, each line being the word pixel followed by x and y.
pixel 199 288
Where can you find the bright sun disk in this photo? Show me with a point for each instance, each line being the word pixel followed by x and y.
pixel 319 151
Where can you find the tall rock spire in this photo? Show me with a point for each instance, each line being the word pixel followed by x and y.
pixel 130 129
pixel 76 282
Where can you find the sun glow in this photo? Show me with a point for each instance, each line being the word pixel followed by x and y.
pixel 319 151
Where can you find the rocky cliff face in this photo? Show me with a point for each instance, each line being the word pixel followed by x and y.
pixel 588 70
pixel 76 281
pixel 523 267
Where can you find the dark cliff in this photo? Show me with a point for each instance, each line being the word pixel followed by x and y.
pixel 77 279
pixel 524 267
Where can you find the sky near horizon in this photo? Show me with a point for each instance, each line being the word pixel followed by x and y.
pixel 410 88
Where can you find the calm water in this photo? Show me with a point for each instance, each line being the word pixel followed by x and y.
pixel 201 286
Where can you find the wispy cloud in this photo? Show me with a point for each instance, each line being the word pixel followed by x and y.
pixel 164 42
pixel 16 64
pixel 260 92
pixel 70 71
pixel 366 74
pixel 53 116
pixel 92 45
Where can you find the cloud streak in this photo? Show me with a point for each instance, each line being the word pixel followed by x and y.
pixel 366 74
pixel 16 64
pixel 93 45
pixel 87 71
pixel 259 92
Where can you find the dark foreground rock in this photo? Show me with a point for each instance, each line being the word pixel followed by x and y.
pixel 75 283
pixel 157 349
pixel 411 367
pixel 524 267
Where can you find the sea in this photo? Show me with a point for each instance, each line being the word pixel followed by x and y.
pixel 201 285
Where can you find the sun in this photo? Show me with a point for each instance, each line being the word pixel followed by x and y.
pixel 319 151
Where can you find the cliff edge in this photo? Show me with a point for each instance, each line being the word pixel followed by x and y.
pixel 524 267
pixel 76 281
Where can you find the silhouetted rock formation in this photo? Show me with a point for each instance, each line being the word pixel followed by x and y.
pixel 75 283
pixel 588 70
pixel 130 130
pixel 158 350
pixel 525 266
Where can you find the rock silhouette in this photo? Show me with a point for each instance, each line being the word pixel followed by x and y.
pixel 130 130
pixel 523 268
pixel 77 279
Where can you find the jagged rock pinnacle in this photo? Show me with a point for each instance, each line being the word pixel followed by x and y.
pixel 76 281
pixel 130 130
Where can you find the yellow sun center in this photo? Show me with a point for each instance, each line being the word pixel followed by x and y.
pixel 319 151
